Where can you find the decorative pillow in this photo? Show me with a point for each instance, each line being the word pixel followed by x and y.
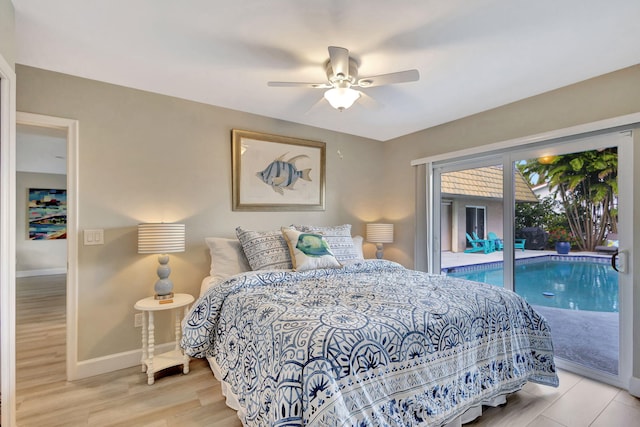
pixel 265 250
pixel 309 250
pixel 227 257
pixel 357 243
pixel 340 241
pixel 612 243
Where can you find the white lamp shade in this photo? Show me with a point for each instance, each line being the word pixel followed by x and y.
pixel 380 233
pixel 160 238
pixel 341 98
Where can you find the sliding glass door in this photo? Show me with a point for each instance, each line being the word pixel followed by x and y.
pixel 498 220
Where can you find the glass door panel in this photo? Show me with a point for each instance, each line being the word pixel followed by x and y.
pixel 471 218
pixel 570 229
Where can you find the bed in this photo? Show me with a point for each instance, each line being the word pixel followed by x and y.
pixel 367 342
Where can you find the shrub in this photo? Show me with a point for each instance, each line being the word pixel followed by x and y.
pixel 559 235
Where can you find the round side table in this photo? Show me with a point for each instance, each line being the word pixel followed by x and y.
pixel 153 363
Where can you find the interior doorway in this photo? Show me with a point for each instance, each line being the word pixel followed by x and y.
pixel 41 202
pixel 68 128
pixel 41 254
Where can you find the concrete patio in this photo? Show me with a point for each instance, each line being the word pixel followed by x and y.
pixel 574 332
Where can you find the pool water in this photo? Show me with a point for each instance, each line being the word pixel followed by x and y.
pixel 574 285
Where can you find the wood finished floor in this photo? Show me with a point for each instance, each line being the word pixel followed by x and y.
pixel 123 398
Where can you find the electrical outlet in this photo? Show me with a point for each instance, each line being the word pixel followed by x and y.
pixel 137 320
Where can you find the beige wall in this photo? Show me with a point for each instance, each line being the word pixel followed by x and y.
pixel 7 32
pixel 34 255
pixel 148 157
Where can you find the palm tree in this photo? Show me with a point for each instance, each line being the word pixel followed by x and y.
pixel 586 184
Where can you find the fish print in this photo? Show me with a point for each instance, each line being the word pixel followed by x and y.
pixel 313 245
pixel 281 174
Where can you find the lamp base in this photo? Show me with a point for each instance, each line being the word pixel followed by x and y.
pixel 379 250
pixel 164 285
pixel 163 297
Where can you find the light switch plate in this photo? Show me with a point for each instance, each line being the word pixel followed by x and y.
pixel 94 237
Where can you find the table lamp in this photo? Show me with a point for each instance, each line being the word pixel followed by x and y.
pixel 379 234
pixel 161 239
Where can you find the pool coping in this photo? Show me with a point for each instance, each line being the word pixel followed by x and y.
pixel 523 261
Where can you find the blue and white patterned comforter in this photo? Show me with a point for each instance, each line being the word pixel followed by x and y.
pixel 370 344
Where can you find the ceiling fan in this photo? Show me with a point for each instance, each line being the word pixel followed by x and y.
pixel 342 73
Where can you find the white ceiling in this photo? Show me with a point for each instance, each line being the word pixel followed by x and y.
pixel 41 150
pixel 472 55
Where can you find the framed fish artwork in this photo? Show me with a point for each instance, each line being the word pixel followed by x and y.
pixel 277 173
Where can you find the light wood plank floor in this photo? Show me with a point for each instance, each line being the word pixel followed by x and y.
pixel 123 398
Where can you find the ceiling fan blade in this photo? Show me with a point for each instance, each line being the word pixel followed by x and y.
pixel 339 58
pixel 391 78
pixel 299 84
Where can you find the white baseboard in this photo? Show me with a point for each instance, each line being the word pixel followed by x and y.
pixel 634 386
pixel 41 272
pixel 112 362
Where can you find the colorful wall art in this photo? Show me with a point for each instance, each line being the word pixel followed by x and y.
pixel 47 214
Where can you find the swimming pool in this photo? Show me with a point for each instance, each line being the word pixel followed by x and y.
pixel 568 282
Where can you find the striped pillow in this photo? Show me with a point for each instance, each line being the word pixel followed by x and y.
pixel 265 250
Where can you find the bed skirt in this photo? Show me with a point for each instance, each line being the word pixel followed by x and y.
pixel 232 401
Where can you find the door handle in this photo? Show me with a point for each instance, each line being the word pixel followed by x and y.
pixel 621 265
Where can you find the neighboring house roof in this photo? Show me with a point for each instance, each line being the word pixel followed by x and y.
pixel 484 182
pixel 541 190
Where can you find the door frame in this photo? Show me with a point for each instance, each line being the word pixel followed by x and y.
pixel 484 218
pixel 7 242
pixel 8 119
pixel 623 140
pixel 514 148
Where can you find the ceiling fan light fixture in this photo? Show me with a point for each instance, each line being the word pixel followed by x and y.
pixel 341 98
pixel 342 76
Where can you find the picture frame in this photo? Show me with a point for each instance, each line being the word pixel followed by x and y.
pixel 46 214
pixel 277 173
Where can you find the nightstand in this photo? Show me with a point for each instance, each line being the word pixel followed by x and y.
pixel 153 363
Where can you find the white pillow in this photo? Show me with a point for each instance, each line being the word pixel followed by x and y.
pixel 309 250
pixel 265 250
pixel 340 241
pixel 227 257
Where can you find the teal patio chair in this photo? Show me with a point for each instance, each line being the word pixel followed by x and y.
pixel 519 243
pixel 479 245
pixel 497 242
